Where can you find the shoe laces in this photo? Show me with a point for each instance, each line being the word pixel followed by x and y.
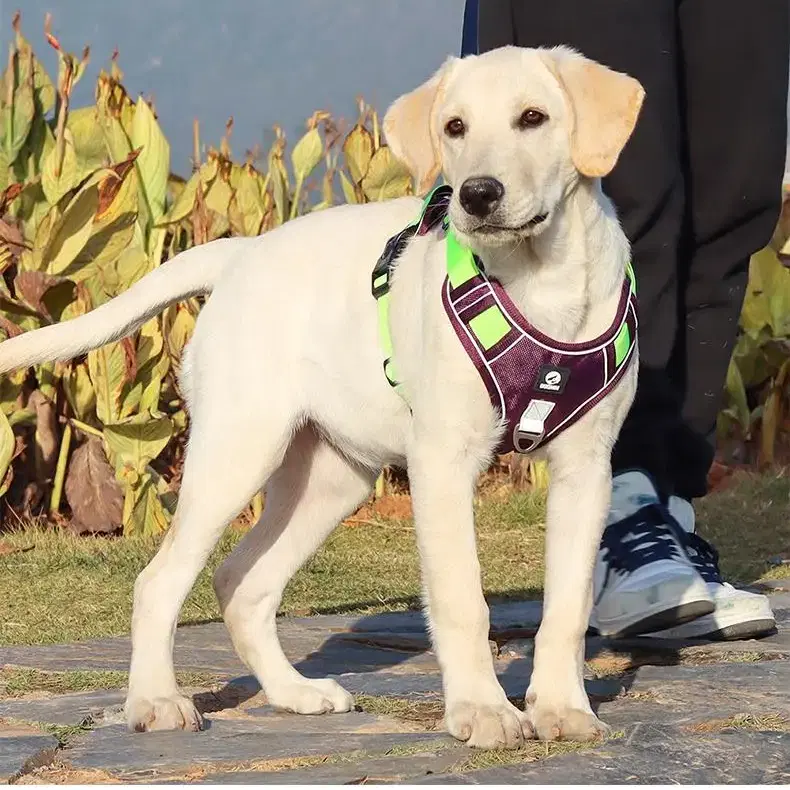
pixel 648 535
pixel 704 557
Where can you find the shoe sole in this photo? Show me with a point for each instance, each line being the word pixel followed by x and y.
pixel 724 628
pixel 748 630
pixel 666 618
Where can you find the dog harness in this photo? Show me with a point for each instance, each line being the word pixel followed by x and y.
pixel 538 385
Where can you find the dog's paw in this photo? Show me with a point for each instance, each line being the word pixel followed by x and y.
pixel 162 713
pixel 569 724
pixel 311 697
pixel 488 726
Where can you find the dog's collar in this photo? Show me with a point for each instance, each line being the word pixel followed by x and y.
pixel 540 386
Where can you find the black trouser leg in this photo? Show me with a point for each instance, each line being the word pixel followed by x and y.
pixel 734 81
pixel 638 38
pixel 672 221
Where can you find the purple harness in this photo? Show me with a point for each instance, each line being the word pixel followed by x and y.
pixel 540 386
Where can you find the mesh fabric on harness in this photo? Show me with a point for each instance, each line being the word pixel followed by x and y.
pixel 540 386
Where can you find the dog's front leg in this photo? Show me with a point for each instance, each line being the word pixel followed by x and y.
pixel 579 492
pixel 442 479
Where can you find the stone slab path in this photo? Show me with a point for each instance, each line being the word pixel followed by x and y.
pixel 682 712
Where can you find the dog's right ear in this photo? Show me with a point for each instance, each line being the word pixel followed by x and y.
pixel 409 129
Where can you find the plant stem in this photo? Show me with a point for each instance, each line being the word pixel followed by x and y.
pixel 85 428
pixel 297 193
pixel 60 470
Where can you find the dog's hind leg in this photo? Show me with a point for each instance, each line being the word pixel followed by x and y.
pixel 313 490
pixel 232 451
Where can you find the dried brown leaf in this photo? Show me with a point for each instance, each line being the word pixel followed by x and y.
pixel 93 493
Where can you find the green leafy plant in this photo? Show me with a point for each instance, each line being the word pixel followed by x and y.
pixel 88 206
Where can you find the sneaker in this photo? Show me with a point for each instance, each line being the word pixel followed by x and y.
pixel 739 614
pixel 643 580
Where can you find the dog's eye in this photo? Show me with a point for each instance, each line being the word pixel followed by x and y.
pixel 455 127
pixel 531 118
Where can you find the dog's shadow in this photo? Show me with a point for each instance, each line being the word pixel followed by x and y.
pixel 387 647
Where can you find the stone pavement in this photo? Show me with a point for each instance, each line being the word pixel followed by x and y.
pixel 682 712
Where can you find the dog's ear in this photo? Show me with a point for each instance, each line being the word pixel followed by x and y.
pixel 409 129
pixel 605 104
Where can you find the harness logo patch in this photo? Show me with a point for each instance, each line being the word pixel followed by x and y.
pixel 552 379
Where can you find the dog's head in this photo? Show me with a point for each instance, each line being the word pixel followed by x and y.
pixel 512 131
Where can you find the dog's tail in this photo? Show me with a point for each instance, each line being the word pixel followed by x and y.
pixel 195 271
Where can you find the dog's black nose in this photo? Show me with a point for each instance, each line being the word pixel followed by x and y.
pixel 480 196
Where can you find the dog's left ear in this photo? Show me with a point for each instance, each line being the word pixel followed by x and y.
pixel 409 129
pixel 605 104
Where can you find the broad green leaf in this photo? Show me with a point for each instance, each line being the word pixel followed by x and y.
pixel 348 188
pixel 89 142
pixel 109 373
pixel 43 89
pixel 115 137
pixel 144 394
pixel 79 392
pixel 56 186
pixel 773 279
pixel 7 447
pixel 386 178
pixel 737 396
pixel 154 160
pixel 30 162
pixel 358 151
pixel 148 515
pixel 278 177
pixel 133 444
pixel 10 390
pixel 307 154
pixel 218 196
pixel 70 233
pixel 247 204
pixel 185 202
pixel 5 176
pixel 16 121
pixel 113 228
pixel 178 325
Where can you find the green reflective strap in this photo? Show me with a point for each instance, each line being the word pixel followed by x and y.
pixel 384 325
pixel 461 266
pixel 489 327
pixel 622 344
pixel 631 274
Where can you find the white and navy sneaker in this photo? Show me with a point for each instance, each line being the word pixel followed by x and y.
pixel 644 581
pixel 739 614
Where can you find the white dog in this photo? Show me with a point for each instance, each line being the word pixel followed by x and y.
pixel 316 419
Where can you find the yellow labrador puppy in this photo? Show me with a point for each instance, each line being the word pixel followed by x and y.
pixel 531 131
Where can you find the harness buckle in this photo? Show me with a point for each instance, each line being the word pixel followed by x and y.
pixel 531 427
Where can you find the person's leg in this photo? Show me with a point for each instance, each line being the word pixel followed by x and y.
pixel 735 72
pixel 735 79
pixel 643 578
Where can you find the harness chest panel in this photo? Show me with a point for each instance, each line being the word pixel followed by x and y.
pixel 539 385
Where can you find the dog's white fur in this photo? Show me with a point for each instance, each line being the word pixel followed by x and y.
pixel 313 419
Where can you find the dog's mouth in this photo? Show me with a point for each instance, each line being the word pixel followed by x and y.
pixel 490 229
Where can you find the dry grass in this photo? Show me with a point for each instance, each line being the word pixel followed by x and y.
pixel 20 681
pixel 768 722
